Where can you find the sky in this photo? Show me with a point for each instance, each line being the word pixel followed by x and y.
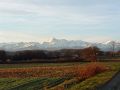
pixel 41 20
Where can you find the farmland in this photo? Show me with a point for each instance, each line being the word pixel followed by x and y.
pixel 60 76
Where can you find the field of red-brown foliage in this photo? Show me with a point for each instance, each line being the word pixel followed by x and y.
pixel 84 71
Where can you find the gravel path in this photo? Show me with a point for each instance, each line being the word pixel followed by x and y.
pixel 113 84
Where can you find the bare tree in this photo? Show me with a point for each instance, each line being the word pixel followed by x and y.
pixel 90 53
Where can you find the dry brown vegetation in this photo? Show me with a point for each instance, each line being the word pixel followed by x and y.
pixel 84 72
pixel 90 70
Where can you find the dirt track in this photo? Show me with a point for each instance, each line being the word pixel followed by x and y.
pixel 113 84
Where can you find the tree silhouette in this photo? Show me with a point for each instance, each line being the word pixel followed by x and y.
pixel 3 56
pixel 90 53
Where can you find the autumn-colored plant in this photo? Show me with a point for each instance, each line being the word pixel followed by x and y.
pixel 90 70
pixel 81 73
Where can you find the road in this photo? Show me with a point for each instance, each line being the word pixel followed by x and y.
pixel 113 84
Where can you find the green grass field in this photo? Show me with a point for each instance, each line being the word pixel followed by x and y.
pixel 29 83
pixel 56 83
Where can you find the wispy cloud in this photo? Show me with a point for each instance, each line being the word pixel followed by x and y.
pixel 50 18
pixel 61 13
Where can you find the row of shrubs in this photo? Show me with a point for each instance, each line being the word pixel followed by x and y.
pixel 87 54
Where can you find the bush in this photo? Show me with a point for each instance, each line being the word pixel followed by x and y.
pixel 90 70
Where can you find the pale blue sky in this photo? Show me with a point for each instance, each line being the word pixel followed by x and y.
pixel 40 20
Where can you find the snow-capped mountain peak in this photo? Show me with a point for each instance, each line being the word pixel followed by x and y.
pixel 55 44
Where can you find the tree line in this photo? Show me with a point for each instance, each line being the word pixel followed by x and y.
pixel 64 55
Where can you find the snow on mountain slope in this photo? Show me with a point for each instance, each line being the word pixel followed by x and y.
pixel 56 44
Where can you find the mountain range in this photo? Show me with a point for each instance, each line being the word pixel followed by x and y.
pixel 56 44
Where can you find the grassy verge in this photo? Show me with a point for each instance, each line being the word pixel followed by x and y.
pixel 93 82
pixel 98 80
